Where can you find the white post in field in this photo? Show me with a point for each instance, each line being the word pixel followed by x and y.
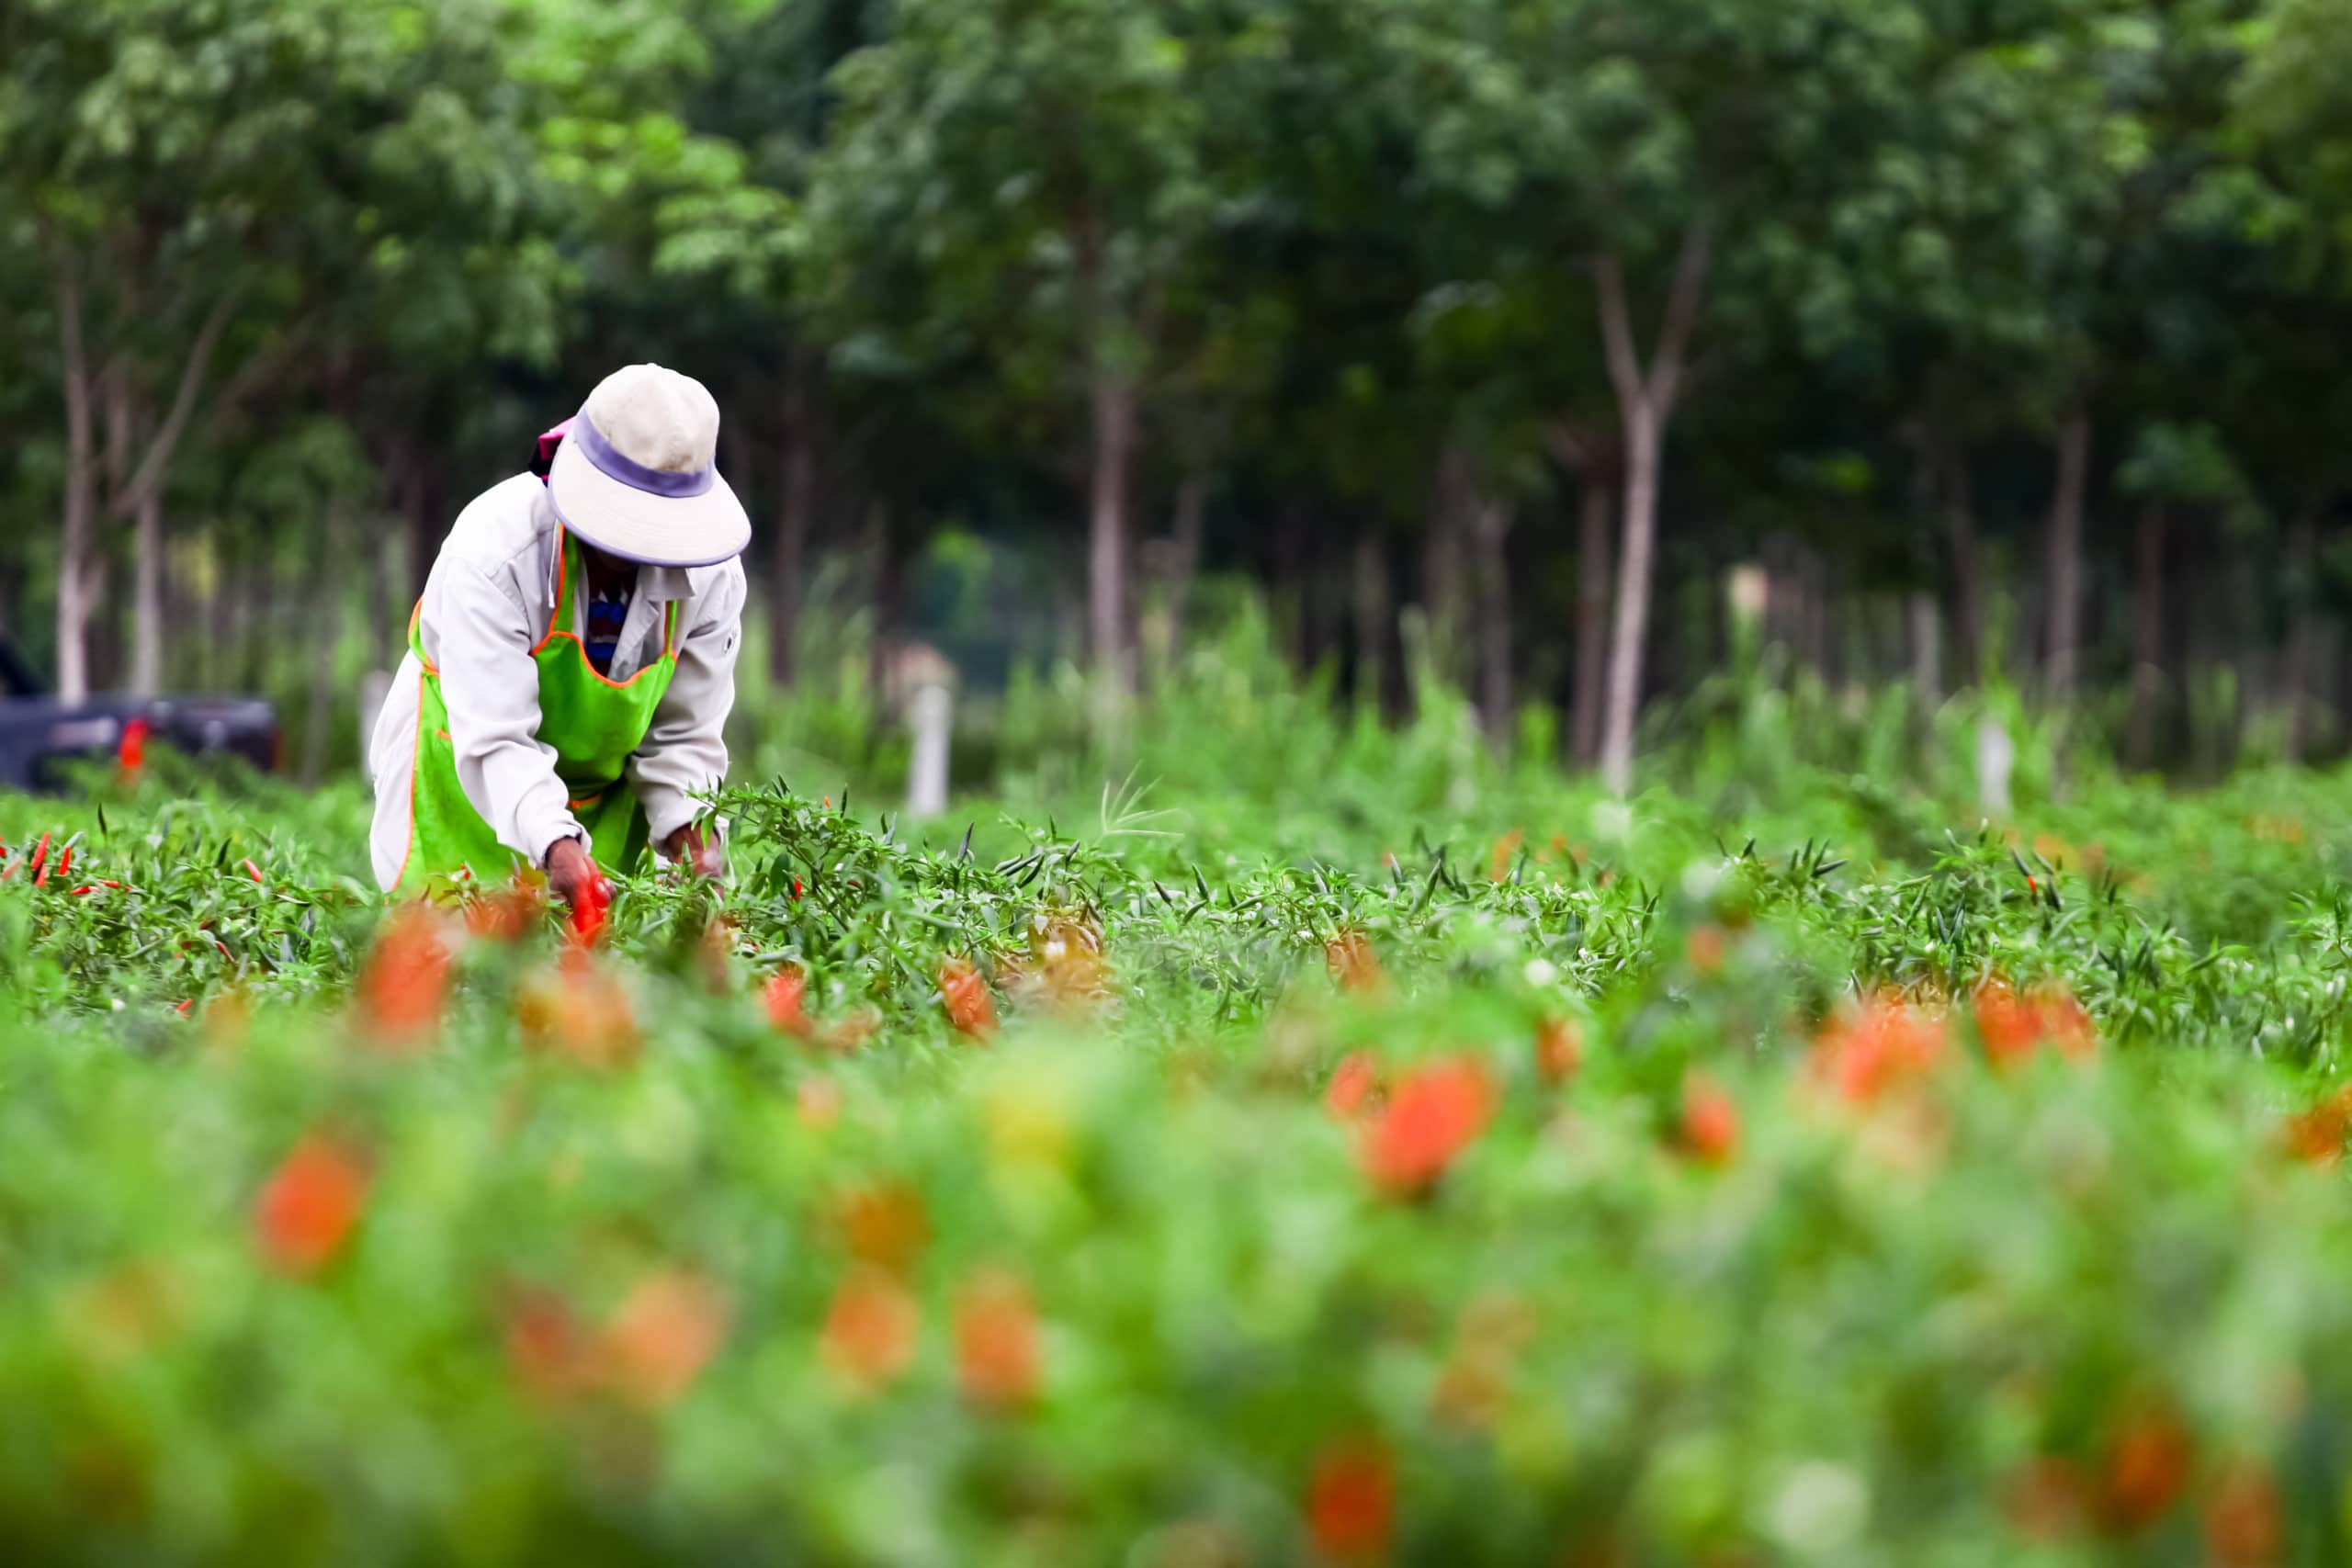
pixel 374 686
pixel 1997 754
pixel 932 711
pixel 1748 588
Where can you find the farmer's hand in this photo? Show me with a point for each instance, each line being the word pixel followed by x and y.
pixel 570 871
pixel 695 848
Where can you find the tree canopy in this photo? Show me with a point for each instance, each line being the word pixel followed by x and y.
pixel 1969 322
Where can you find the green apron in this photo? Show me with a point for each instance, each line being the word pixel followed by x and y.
pixel 594 723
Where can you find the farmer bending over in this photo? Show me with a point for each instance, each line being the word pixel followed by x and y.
pixel 572 662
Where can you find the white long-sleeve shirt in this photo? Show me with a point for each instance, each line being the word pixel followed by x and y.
pixel 487 605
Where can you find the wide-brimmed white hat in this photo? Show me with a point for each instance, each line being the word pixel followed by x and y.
pixel 637 473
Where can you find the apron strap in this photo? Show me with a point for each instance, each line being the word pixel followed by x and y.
pixel 562 582
pixel 417 638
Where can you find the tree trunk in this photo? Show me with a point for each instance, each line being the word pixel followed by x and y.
pixel 1323 594
pixel 420 489
pixel 218 609
pixel 1184 552
pixel 1596 514
pixel 2064 610
pixel 1820 653
pixel 73 585
pixel 1110 404
pixel 136 492
pixel 795 505
pixel 379 575
pixel 129 489
pixel 2302 629
pixel 1441 588
pixel 1940 490
pixel 74 547
pixel 1491 521
pixel 1631 627
pixel 1959 507
pixel 1373 620
pixel 2147 634
pixel 1926 617
pixel 1646 399
pixel 889 601
pixel 2327 690
pixel 323 632
pixel 268 619
pixel 1288 562
pixel 104 632
pixel 147 598
pixel 1114 411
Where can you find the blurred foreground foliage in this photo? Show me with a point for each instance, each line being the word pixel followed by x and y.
pixel 1319 1142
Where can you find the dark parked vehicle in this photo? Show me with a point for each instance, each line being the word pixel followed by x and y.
pixel 36 731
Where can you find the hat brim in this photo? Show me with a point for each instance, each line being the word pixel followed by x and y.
pixel 638 526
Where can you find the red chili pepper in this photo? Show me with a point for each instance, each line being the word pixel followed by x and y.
pixel 132 753
pixel 251 869
pixel 589 911
pixel 65 862
pixel 41 860
pixel 796 888
pixel 184 1006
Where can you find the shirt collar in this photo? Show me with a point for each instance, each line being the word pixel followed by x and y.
pixel 656 584
pixel 661 584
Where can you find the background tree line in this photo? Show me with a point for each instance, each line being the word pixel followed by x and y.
pixel 2006 335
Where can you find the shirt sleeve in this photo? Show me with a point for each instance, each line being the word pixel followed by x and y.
pixel 686 749
pixel 484 637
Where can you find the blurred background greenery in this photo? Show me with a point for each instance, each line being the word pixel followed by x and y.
pixel 1474 339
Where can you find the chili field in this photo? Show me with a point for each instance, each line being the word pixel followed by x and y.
pixel 1327 1162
